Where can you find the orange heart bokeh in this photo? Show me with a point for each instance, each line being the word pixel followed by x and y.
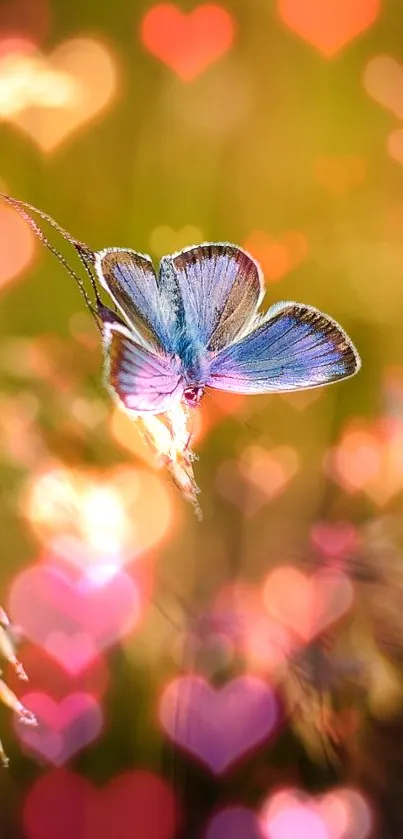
pixel 340 174
pixel 329 25
pixel 277 256
pixel 395 144
pixel 307 604
pixel 383 81
pixel 17 245
pixel 369 458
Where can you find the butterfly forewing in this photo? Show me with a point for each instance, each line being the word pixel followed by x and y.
pixel 220 287
pixel 129 278
pixel 142 380
pixel 293 347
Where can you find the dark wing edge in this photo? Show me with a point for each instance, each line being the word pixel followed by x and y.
pixel 334 327
pixel 221 287
pixel 270 358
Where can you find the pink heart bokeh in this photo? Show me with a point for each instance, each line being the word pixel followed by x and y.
pixel 342 813
pixel 64 728
pixel 71 616
pixel 337 540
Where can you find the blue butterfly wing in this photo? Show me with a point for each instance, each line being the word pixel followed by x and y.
pixel 143 381
pixel 292 347
pixel 131 282
pixel 217 288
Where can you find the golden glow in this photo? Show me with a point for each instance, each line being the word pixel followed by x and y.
pixel 121 513
pixel 26 81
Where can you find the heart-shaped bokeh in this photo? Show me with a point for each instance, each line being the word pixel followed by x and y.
pixel 329 25
pixel 259 476
pixel 65 805
pixel 188 42
pixel 98 518
pixel 234 823
pixel 383 81
pixel 337 540
pixel 72 617
pixel 261 639
pixel 46 674
pixel 219 726
pixel 340 174
pixel 369 457
pixel 51 97
pixel 307 604
pixel 340 814
pixel 277 256
pixel 395 144
pixel 17 245
pixel 24 19
pixel 64 728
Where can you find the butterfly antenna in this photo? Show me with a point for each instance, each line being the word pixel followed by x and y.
pixel 85 253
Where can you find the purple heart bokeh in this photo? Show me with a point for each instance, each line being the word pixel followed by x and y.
pixel 234 822
pixel 218 726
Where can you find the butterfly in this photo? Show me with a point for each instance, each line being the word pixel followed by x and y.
pixel 196 323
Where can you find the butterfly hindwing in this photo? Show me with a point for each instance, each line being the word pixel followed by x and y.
pixel 293 347
pixel 143 381
pixel 220 287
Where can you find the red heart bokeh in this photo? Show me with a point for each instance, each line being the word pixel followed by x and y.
pixel 48 675
pixel 187 43
pixel 135 805
pixel 24 18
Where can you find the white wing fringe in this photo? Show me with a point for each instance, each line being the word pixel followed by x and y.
pixel 170 435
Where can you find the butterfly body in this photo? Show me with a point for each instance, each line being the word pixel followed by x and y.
pixel 197 324
pixel 195 336
pixel 193 395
